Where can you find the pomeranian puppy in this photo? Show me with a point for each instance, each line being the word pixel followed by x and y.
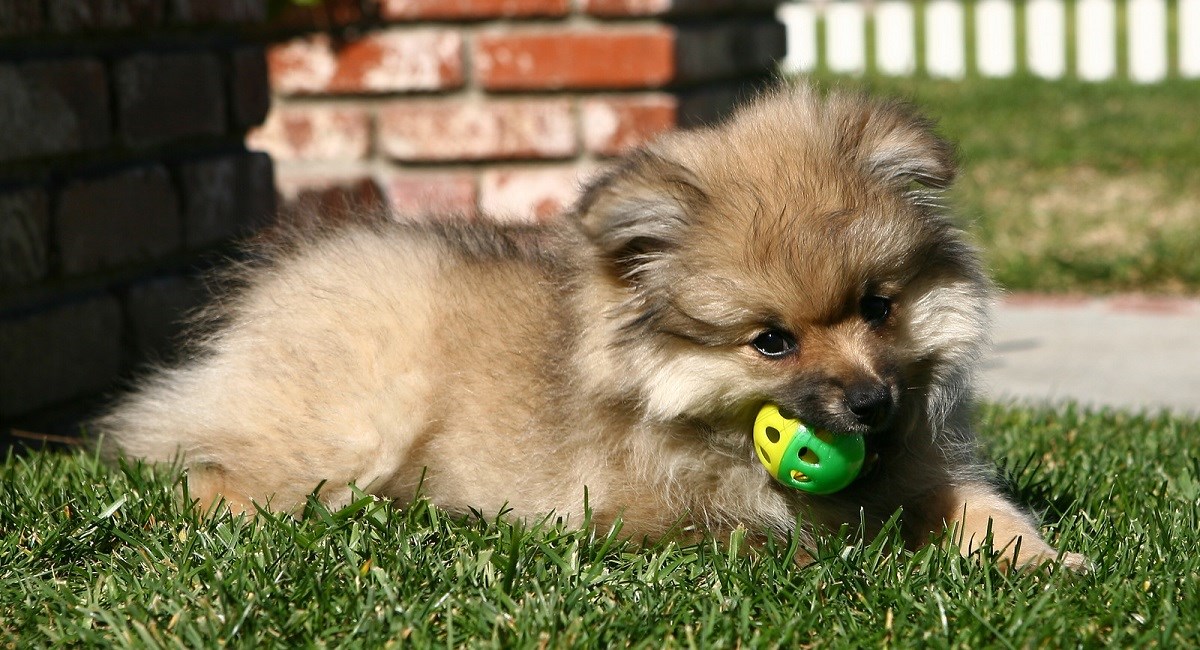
pixel 795 254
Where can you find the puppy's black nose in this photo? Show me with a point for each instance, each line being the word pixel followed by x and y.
pixel 870 402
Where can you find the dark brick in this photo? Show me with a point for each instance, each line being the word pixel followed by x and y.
pixel 68 16
pixel 249 87
pixel 728 49
pixel 164 97
pixel 52 107
pixel 226 197
pixel 708 105
pixel 155 311
pixel 20 17
pixel 257 171
pixel 58 354
pixel 210 201
pixel 219 11
pixel 127 217
pixel 24 236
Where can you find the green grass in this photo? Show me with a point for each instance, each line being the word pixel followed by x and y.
pixel 97 557
pixel 1073 186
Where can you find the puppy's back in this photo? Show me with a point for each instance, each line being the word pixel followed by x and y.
pixel 338 351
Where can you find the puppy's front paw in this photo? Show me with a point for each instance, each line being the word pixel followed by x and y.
pixel 1074 561
pixel 1046 556
pixel 1077 562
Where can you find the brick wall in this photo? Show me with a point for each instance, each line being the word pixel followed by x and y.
pixel 496 107
pixel 122 164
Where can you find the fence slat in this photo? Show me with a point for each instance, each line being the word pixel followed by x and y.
pixel 1147 40
pixel 1096 39
pixel 895 37
pixel 845 36
pixel 995 38
pixel 1045 38
pixel 1189 38
pixel 800 25
pixel 1097 28
pixel 944 39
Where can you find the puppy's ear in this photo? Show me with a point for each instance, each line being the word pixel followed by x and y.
pixel 897 145
pixel 638 213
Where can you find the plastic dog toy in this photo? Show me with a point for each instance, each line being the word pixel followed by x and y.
pixel 814 461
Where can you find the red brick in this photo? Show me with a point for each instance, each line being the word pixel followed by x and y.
pixel 59 353
pixel 478 130
pixel 219 11
pixel 328 195
pixel 421 194
pixel 20 17
pixel 624 8
pixel 627 7
pixel 226 196
pixel 613 125
pixel 322 16
pixel 302 65
pixel 530 193
pixel 249 87
pixel 68 16
pixel 53 107
pixel 118 219
pixel 24 236
pixel 527 59
pixel 155 106
pixel 400 60
pixel 314 132
pixel 387 61
pixel 471 9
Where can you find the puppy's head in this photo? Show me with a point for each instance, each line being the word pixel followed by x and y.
pixel 794 254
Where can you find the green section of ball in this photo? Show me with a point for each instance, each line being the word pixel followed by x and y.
pixel 821 462
pixel 817 462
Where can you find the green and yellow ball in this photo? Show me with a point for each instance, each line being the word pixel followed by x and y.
pixel 812 460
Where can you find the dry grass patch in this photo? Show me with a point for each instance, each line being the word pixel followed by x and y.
pixel 1073 186
pixel 1082 228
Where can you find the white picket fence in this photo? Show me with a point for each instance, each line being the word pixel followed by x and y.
pixel 1089 39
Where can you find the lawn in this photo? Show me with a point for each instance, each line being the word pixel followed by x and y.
pixel 1072 186
pixel 93 556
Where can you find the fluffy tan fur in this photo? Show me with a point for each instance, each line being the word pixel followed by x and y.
pixel 613 349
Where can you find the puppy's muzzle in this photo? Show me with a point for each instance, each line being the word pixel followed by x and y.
pixel 871 403
pixel 862 406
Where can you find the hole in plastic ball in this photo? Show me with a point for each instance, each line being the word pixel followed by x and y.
pixel 773 434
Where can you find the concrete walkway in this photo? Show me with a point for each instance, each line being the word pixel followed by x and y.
pixel 1129 352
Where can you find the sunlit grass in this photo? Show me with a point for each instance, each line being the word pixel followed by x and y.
pixel 98 557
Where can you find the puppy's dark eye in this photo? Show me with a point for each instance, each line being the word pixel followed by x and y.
pixel 875 309
pixel 774 343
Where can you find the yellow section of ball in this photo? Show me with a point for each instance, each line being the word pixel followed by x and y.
pixel 772 435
